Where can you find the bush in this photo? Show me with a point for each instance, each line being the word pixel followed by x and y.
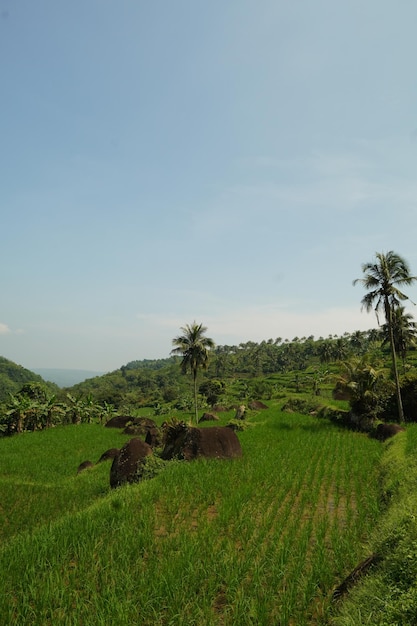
pixel 152 466
pixel 237 425
pixel 297 405
pixel 337 416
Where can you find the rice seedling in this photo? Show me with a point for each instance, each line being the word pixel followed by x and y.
pixel 257 540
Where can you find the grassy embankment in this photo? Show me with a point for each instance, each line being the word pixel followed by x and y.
pixel 259 540
pixel 388 595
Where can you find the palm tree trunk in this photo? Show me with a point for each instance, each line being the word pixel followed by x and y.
pixel 195 396
pixel 388 313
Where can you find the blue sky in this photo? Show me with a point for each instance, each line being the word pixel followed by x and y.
pixel 232 163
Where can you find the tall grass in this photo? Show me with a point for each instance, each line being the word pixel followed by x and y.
pixel 388 594
pixel 38 474
pixel 257 540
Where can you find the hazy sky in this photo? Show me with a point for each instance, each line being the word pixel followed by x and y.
pixel 230 162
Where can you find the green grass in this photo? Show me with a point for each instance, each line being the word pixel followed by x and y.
pixel 38 474
pixel 258 540
pixel 388 595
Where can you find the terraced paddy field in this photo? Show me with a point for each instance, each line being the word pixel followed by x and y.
pixel 261 540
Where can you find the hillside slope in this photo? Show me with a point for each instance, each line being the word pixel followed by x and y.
pixel 13 376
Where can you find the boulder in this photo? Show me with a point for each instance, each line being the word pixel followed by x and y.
pixel 154 437
pixel 108 454
pixel 84 465
pixel 126 466
pixel 118 421
pixel 139 426
pixel 385 431
pixel 185 442
pixel 144 421
pixel 255 405
pixel 208 417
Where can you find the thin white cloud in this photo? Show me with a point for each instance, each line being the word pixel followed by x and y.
pixel 4 329
pixel 323 182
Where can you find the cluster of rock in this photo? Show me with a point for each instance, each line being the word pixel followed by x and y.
pixel 177 440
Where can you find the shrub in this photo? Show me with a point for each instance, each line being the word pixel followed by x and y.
pixel 151 466
pixel 297 405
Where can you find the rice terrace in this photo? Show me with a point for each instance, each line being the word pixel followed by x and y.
pixel 256 540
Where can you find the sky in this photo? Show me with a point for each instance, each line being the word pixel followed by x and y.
pixel 230 163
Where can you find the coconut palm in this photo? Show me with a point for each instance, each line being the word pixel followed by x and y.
pixel 383 279
pixel 325 351
pixel 193 346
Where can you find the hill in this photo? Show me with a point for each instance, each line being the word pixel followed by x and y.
pixel 13 377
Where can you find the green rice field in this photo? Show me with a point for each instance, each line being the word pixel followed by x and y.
pixel 261 540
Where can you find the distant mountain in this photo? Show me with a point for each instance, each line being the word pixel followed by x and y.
pixel 65 377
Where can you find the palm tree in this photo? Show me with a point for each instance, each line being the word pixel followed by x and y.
pixel 382 279
pixel 325 351
pixel 194 348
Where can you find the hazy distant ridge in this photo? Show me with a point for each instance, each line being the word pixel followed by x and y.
pixel 65 377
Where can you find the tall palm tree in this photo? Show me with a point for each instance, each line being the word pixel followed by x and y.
pixel 194 348
pixel 382 279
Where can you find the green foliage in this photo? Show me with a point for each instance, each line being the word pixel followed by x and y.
pixel 184 403
pixel 212 389
pixel 160 409
pixel 365 386
pixel 238 425
pixel 151 466
pixel 260 371
pixel 300 405
pixel 404 332
pixel 409 398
